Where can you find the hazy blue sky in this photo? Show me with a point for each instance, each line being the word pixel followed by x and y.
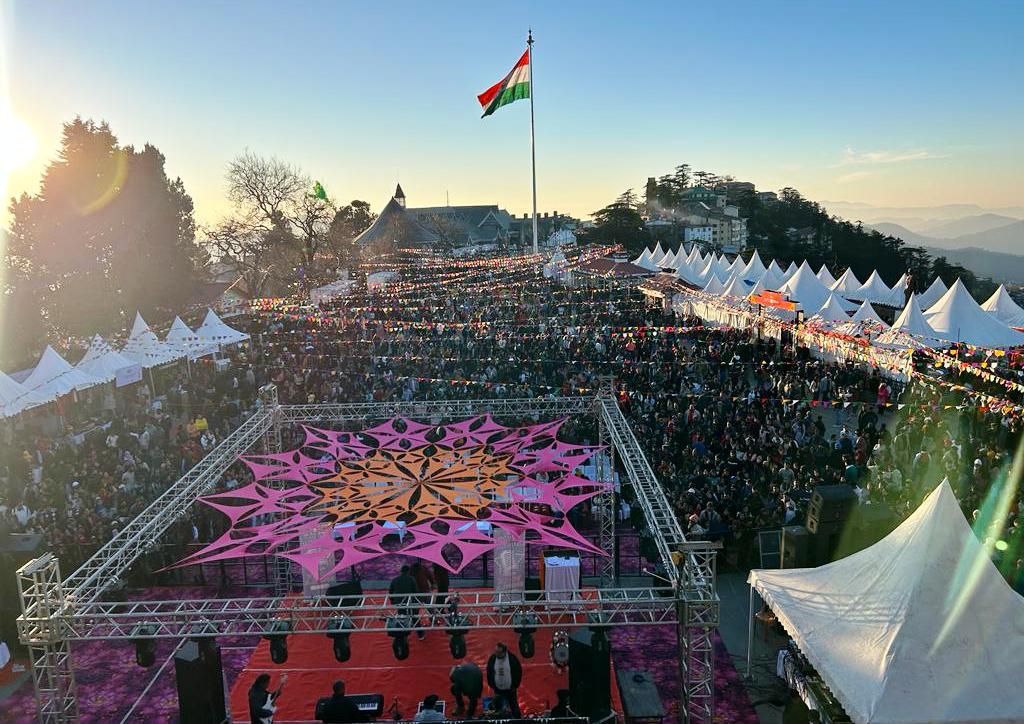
pixel 893 103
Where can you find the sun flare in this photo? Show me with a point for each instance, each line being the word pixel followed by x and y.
pixel 17 142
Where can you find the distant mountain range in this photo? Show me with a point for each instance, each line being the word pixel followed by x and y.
pixel 957 231
pixel 967 250
pixel 910 215
pixel 1008 239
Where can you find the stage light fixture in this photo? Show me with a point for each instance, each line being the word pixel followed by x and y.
pixel 457 645
pixel 278 638
pixel 399 628
pixel 145 644
pixel 339 629
pixel 525 624
pixel 456 626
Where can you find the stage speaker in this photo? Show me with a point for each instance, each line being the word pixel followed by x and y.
pixel 866 525
pixel 16 549
pixel 795 547
pixel 829 508
pixel 200 678
pixel 590 683
pixel 345 594
pixel 534 591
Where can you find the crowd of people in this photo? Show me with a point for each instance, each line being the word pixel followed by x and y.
pixel 740 429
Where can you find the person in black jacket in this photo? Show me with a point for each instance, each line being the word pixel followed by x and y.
pixel 504 674
pixel 338 708
pixel 467 681
pixel 261 701
pixel 404 583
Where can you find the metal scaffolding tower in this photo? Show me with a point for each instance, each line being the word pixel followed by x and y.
pixel 56 613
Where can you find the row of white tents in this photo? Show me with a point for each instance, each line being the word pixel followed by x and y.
pixel 937 317
pixel 53 376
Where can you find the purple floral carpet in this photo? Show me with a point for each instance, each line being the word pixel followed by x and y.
pixel 110 684
pixel 653 649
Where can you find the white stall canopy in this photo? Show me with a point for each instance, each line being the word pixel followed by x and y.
pixel 920 627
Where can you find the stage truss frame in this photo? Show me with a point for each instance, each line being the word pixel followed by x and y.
pixel 57 612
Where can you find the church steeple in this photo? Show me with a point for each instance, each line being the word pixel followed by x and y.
pixel 400 195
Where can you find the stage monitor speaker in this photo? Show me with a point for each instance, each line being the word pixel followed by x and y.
pixel 200 678
pixel 829 508
pixel 16 549
pixel 795 547
pixel 590 683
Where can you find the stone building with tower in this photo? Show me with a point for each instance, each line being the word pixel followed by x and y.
pixel 398 226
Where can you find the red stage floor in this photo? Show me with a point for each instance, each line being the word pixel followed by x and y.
pixel 311 670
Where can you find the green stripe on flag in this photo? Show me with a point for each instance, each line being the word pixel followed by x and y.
pixel 508 95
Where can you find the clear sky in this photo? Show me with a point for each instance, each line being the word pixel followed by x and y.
pixel 890 103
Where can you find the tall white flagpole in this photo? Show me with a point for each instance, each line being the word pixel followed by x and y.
pixel 533 142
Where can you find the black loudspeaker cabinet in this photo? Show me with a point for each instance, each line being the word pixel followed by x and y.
pixel 534 592
pixel 829 508
pixel 200 678
pixel 795 547
pixel 348 593
pixel 590 684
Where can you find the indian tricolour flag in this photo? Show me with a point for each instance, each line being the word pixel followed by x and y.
pixel 512 87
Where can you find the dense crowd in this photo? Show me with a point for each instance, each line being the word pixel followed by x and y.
pixel 740 429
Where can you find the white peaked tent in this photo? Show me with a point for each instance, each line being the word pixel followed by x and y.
pixel 188 342
pixel 737 265
pixel 958 318
pixel 805 289
pixel 214 330
pixel 710 270
pixel 693 255
pixel 645 260
pixel 866 313
pixel 106 363
pixel 831 312
pixel 1002 307
pixel 685 272
pixel 920 627
pixel 932 294
pixel 790 270
pixel 722 265
pixel 645 256
pixel 825 276
pixel 773 277
pixel 898 294
pixel 144 347
pixel 864 322
pixel 658 254
pixel 54 376
pixel 910 329
pixel 15 397
pixel 736 287
pixel 669 261
pixel 714 285
pixel 873 290
pixel 754 268
pixel 847 283
pixel 701 261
